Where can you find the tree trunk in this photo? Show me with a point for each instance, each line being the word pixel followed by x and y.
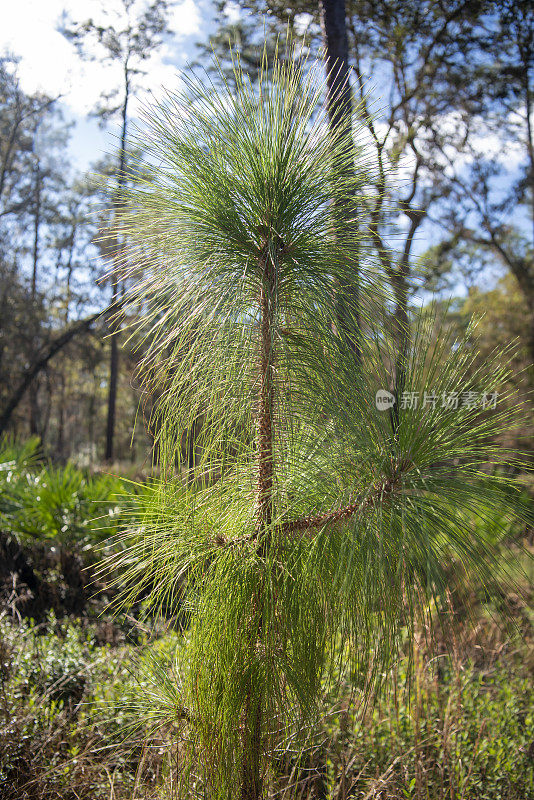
pixel 36 228
pixel 34 388
pixel 60 447
pixel 251 783
pixel 266 402
pixel 531 342
pixel 401 327
pixel 112 393
pixel 39 364
pixel 530 137
pixel 401 320
pixel 63 377
pixel 115 330
pixel 334 28
pixel 339 101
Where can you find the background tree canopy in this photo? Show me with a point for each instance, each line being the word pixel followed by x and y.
pixel 445 93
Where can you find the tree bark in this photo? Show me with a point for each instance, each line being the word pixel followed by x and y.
pixel 334 29
pixel 34 411
pixel 401 326
pixel 115 330
pixel 401 319
pixel 63 377
pixel 339 102
pixel 266 402
pixel 112 393
pixel 251 782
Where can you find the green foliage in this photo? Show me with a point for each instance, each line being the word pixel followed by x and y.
pixel 64 505
pixel 53 665
pixel 54 739
pixel 293 588
pixel 53 523
pixel 463 732
pixel 70 726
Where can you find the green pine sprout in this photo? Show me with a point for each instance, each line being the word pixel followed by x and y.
pixel 297 529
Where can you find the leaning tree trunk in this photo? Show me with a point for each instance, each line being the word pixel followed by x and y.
pixel 40 364
pixel 251 782
pixel 339 101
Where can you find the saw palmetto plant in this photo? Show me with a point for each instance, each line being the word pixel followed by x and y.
pixel 298 528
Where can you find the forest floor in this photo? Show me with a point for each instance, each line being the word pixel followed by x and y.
pixel 457 725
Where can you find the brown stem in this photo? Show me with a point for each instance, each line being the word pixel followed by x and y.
pixel 251 780
pixel 362 502
pixel 265 402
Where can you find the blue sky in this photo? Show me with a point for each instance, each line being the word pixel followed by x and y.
pixel 49 63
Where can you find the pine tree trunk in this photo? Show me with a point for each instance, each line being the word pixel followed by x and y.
pixel 63 378
pixel 531 343
pixel 401 323
pixel 266 403
pixel 60 448
pixel 339 101
pixel 115 330
pixel 251 782
pixel 112 393
pixel 34 387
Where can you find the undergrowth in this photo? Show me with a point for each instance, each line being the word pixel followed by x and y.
pixel 462 728
pixel 459 726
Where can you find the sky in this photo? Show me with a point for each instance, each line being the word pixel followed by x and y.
pixel 48 62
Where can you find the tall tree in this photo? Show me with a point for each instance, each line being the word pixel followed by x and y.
pixel 20 115
pixel 32 181
pixel 49 295
pixel 491 194
pixel 405 57
pixel 339 101
pixel 76 272
pixel 48 185
pixel 128 38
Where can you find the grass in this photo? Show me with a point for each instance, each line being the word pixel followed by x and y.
pixel 461 728
pixel 460 731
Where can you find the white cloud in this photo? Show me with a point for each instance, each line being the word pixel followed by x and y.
pixel 185 18
pixel 50 63
pixel 484 143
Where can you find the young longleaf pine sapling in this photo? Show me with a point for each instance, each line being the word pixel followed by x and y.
pixel 298 529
